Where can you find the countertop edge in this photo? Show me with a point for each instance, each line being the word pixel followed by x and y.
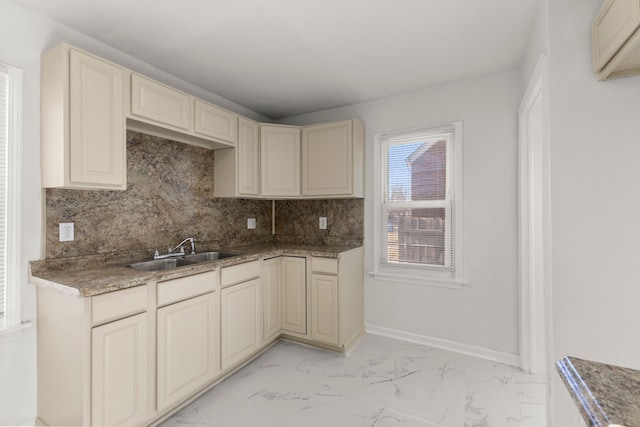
pixel 588 406
pixel 606 395
pixel 96 280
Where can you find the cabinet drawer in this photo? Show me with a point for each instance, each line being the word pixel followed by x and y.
pixel 159 103
pixel 118 304
pixel 239 273
pixel 324 265
pixel 185 287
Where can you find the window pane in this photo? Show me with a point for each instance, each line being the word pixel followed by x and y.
pixel 417 236
pixel 417 171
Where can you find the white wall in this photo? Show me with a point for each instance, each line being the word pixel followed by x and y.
pixel 538 43
pixel 483 314
pixel 595 189
pixel 24 36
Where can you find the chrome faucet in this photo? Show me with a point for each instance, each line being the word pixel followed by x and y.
pixel 171 252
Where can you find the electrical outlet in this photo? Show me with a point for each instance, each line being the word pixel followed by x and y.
pixel 251 223
pixel 323 223
pixel 66 231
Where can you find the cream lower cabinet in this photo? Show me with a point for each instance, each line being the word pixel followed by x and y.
pixel 241 313
pixel 294 294
pixel 119 372
pixel 337 299
pixel 324 308
pixel 186 348
pixel 272 295
pixel 284 296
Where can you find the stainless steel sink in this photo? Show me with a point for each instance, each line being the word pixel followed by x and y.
pixel 160 264
pixel 209 256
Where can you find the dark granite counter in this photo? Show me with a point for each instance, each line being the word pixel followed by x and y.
pixel 606 395
pixel 97 274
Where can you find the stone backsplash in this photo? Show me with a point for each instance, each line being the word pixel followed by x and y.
pixel 297 221
pixel 169 197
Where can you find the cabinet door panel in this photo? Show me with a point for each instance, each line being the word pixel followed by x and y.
pixel 119 372
pixel 248 157
pixel 241 322
pixel 215 122
pixel 327 151
pixel 294 294
pixel 271 282
pixel 324 310
pixel 159 103
pixel 280 161
pixel 186 348
pixel 97 125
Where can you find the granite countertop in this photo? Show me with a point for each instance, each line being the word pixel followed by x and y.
pixel 98 274
pixel 606 395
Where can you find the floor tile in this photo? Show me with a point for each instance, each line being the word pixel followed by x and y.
pixel 382 383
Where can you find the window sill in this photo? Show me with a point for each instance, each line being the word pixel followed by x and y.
pixel 419 280
pixel 11 333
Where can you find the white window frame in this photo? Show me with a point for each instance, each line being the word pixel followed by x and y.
pixel 414 273
pixel 13 255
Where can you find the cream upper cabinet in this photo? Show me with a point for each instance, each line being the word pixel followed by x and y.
pixel 237 170
pixel 119 372
pixel 159 103
pixel 186 348
pixel 215 122
pixel 280 160
pixel 293 279
pixel 82 122
pixel 616 39
pixel 333 159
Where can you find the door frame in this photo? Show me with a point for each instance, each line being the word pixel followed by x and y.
pixel 537 87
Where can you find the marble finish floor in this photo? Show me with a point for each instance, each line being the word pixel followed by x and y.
pixel 382 383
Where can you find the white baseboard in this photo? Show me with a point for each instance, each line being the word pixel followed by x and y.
pixel 483 353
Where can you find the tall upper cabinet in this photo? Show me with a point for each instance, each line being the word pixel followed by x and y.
pixel 280 160
pixel 616 39
pixel 83 121
pixel 333 159
pixel 237 170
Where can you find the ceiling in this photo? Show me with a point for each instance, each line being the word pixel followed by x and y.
pixel 281 58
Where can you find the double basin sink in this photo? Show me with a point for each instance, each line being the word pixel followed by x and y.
pixel 179 261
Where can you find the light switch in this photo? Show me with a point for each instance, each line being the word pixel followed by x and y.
pixel 251 223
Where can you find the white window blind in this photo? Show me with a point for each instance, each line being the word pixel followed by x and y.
pixel 418 216
pixel 418 202
pixel 4 138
